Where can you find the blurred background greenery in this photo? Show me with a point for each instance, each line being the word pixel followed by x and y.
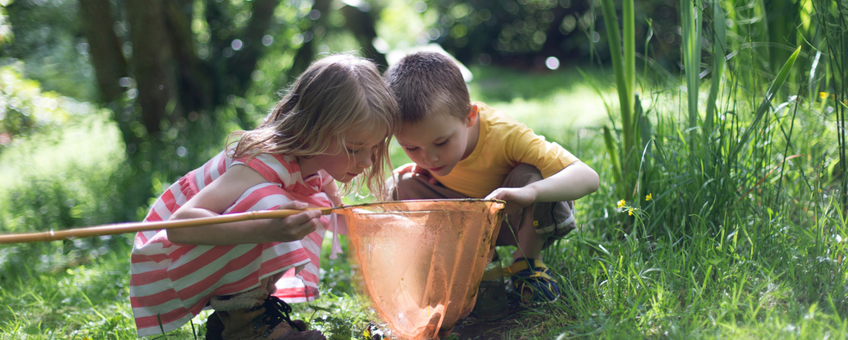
pixel 722 208
pixel 142 92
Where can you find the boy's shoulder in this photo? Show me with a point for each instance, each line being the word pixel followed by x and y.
pixel 495 118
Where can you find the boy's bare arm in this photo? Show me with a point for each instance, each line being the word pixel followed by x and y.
pixel 573 182
pixel 416 171
pixel 219 195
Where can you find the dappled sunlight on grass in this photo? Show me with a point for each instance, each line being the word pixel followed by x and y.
pixel 91 142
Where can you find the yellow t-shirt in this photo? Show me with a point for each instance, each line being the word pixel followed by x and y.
pixel 502 145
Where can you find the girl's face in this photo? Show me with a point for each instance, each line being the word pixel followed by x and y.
pixel 359 153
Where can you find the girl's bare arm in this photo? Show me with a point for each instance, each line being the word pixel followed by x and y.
pixel 332 190
pixel 219 195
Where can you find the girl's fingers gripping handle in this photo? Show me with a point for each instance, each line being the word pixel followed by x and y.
pixel 283 213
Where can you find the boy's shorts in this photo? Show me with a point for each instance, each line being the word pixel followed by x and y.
pixel 552 220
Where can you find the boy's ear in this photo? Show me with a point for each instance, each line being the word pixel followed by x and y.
pixel 472 116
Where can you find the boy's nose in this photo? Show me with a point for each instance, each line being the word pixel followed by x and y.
pixel 433 156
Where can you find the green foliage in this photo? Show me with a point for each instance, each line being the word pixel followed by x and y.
pixel 25 109
pixel 6 35
pixel 45 36
pixel 498 30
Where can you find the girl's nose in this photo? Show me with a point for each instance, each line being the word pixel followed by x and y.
pixel 365 160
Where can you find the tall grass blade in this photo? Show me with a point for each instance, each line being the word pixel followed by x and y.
pixel 719 51
pixel 616 167
pixel 690 18
pixel 625 76
pixel 766 103
pixel 629 51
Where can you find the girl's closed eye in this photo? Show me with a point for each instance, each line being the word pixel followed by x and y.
pixel 411 148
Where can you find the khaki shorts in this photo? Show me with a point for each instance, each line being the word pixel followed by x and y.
pixel 551 219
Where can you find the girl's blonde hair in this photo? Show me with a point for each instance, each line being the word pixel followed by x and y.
pixel 334 96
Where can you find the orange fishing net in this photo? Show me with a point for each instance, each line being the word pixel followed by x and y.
pixel 421 261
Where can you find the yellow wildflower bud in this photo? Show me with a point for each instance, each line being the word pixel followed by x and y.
pixel 822 95
pixel 649 197
pixel 621 204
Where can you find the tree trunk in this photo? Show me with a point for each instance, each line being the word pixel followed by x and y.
pixel 105 47
pixel 152 62
pixel 360 21
pixel 195 87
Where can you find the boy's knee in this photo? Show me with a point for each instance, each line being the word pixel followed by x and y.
pixel 552 220
pixel 522 175
pixel 407 186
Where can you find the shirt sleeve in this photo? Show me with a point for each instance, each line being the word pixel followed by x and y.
pixel 525 146
pixel 266 165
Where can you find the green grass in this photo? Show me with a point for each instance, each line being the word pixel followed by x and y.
pixel 766 262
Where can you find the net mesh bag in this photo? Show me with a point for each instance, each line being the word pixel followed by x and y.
pixel 421 261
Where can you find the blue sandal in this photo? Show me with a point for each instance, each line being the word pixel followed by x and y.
pixel 532 280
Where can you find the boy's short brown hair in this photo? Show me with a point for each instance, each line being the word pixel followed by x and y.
pixel 427 82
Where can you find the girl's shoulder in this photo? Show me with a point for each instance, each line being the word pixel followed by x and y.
pixel 275 168
pixel 284 171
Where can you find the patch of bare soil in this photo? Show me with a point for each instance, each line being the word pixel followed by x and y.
pixel 472 328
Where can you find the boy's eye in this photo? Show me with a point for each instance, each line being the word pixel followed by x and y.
pixel 442 143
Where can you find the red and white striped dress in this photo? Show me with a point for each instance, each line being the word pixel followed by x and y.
pixel 171 283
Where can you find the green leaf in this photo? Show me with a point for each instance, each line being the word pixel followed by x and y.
pixel 719 51
pixel 691 32
pixel 621 80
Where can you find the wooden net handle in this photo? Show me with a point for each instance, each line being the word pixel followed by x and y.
pixel 120 228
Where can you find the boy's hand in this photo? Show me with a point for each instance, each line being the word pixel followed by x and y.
pixel 516 198
pixel 416 171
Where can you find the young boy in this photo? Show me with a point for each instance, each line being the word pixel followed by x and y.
pixel 467 149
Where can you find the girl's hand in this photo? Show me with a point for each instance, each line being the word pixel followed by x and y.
pixel 516 198
pixel 294 227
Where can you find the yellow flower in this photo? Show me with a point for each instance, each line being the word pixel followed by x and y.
pixel 630 212
pixel 621 204
pixel 649 197
pixel 822 95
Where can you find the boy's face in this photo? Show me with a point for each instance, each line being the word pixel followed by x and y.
pixel 438 142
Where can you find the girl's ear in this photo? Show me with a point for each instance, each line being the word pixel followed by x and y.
pixel 472 116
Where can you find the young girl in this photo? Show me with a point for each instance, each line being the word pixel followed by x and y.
pixel 335 123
